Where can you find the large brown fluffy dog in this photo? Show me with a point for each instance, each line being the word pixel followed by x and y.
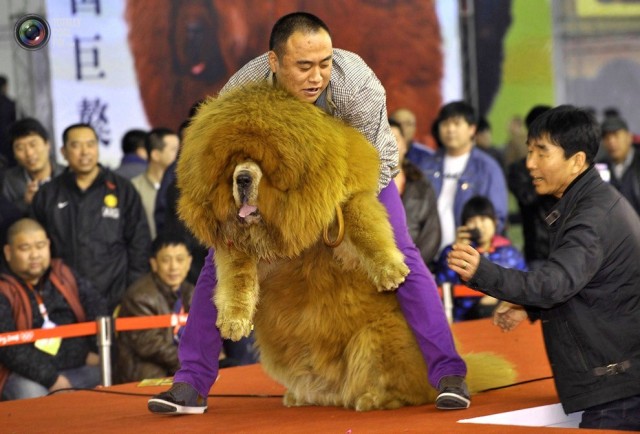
pixel 261 176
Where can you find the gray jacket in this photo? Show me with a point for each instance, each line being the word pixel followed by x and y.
pixel 14 184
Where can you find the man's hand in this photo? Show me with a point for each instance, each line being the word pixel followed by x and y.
pixel 61 383
pixel 30 191
pixel 464 260
pixel 507 316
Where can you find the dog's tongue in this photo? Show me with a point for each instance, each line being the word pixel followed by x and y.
pixel 246 210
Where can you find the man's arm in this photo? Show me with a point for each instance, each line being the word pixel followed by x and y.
pixel 255 70
pixel 367 112
pixel 570 267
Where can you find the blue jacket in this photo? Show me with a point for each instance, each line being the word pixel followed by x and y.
pixel 481 177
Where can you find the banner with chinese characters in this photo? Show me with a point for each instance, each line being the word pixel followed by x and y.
pixel 122 64
pixel 92 73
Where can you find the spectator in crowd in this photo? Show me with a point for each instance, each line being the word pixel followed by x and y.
pixel 532 207
pixel 94 218
pixel 39 292
pixel 416 151
pixel 516 147
pixel 161 206
pixel 162 147
pixel 32 151
pixel 153 353
pixel 338 82
pixel 134 154
pixel 7 118
pixel 587 292
pixel 479 230
pixel 622 159
pixel 419 201
pixel 484 141
pixel 458 171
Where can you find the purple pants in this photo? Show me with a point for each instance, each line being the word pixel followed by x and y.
pixel 418 296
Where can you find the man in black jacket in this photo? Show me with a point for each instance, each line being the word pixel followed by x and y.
pixel 587 293
pixel 94 218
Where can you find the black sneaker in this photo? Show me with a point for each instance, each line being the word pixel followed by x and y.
pixel 181 398
pixel 454 394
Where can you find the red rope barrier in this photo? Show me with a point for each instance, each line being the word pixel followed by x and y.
pixel 90 328
pixel 135 323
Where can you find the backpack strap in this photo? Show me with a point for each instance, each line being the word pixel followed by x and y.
pixel 63 279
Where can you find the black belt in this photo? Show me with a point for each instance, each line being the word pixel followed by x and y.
pixel 612 369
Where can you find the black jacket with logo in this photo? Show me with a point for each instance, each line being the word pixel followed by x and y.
pixel 101 232
pixel 587 294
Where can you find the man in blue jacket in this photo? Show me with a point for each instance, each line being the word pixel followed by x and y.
pixel 459 171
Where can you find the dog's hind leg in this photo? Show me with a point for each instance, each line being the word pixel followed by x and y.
pixel 385 367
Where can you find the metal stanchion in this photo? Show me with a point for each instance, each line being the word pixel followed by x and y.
pixel 447 298
pixel 104 345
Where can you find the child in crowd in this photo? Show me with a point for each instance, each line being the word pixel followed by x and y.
pixel 479 229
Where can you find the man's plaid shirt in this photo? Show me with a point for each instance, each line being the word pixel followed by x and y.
pixel 355 95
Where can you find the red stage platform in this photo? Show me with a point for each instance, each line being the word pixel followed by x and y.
pixel 245 400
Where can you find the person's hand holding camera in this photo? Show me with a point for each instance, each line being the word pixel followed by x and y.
pixel 468 235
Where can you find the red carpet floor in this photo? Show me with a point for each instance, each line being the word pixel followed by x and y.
pixel 243 401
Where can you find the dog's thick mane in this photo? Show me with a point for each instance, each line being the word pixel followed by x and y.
pixel 266 125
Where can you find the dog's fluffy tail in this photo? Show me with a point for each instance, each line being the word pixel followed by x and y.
pixel 487 371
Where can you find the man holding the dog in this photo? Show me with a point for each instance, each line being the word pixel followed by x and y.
pixel 587 293
pixel 303 61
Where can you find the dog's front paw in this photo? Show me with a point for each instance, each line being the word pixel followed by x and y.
pixel 233 327
pixel 391 276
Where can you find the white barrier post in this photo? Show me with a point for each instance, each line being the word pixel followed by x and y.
pixel 104 345
pixel 447 298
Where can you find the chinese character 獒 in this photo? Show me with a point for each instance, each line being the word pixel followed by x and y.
pixel 93 112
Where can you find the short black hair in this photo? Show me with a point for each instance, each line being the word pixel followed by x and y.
pixel 167 239
pixel 483 125
pixel 573 129
pixel 3 81
pixel 398 125
pixel 26 127
pixel 478 206
pixel 456 109
pixel 291 23
pixel 65 133
pixel 132 140
pixel 535 111
pixel 154 139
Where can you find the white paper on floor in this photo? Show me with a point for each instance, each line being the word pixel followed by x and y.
pixel 546 415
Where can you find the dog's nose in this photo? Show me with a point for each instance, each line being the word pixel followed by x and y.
pixel 244 180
